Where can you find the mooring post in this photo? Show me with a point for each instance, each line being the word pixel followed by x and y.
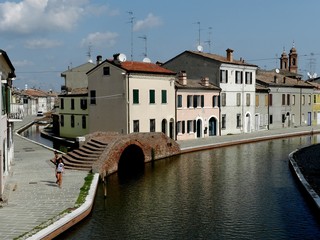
pixel 104 180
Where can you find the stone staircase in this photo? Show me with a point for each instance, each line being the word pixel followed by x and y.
pixel 83 157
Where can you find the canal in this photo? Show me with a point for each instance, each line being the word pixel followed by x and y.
pixel 240 192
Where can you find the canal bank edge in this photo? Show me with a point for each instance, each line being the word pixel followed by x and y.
pixel 310 191
pixel 72 218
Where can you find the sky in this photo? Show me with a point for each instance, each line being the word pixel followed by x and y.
pixel 43 38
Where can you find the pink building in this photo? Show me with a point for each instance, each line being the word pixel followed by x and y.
pixel 198 111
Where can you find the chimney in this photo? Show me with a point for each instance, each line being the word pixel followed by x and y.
pixel 205 81
pixel 182 78
pixel 99 59
pixel 229 55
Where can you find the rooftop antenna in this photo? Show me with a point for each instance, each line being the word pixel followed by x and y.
pixel 89 52
pixel 199 47
pixel 145 54
pixel 209 40
pixel 131 21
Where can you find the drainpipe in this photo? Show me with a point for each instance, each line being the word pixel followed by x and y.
pixel 268 126
pixel 175 113
pixel 128 103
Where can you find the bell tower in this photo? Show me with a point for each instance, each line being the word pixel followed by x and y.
pixel 284 61
pixel 293 60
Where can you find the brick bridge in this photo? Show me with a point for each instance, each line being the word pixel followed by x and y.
pixel 106 153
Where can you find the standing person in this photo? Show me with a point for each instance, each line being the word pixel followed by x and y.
pixel 56 162
pixel 60 170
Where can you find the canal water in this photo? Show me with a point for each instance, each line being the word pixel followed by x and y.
pixel 240 192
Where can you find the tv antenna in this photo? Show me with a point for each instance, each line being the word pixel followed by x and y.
pixel 209 40
pixel 131 21
pixel 89 53
pixel 199 47
pixel 145 54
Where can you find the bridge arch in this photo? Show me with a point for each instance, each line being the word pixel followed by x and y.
pixel 132 151
pixel 131 160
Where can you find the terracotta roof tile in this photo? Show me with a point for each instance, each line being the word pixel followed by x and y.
pixel 132 66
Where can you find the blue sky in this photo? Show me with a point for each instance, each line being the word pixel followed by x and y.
pixel 44 37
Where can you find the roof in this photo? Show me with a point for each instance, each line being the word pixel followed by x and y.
pixel 131 66
pixel 76 92
pixel 272 78
pixel 85 67
pixel 196 84
pixel 216 57
pixel 34 93
pixel 138 67
pixel 4 54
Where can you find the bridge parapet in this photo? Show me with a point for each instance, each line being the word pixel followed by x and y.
pixel 154 146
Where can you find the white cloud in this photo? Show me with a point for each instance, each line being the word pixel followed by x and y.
pixel 22 63
pixel 42 43
pixel 107 39
pixel 29 16
pixel 150 22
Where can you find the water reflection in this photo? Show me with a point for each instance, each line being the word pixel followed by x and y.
pixel 240 192
pixel 34 133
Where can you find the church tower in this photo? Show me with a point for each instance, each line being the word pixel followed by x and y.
pixel 293 60
pixel 284 61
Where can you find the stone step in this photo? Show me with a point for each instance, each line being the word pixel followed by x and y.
pixel 69 159
pixel 90 158
pixel 81 153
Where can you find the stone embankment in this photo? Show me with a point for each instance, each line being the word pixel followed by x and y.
pixel 305 163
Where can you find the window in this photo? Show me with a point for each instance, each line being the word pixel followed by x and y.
pixel 283 118
pixel 283 99
pixel 238 120
pixel 163 96
pixel 83 104
pixel 248 99
pixel 195 101
pixel 223 99
pixel 62 120
pixel 271 119
pixel 293 99
pixel 93 97
pixel 266 100
pixel 84 121
pixel 202 101
pixel 136 125
pixel 135 96
pixel 238 99
pixel 106 71
pixel 309 99
pixel 248 78
pixel 257 100
pixel 178 127
pixel 189 126
pixel 189 101
pixel 288 99
pixel 72 103
pixel 303 99
pixel 223 76
pixel 223 121
pixel 179 101
pixel 314 98
pixel 72 121
pixel 152 96
pixel 152 125
pixel 270 99
pixel 61 103
pixel 183 126
pixel 215 101
pixel 238 77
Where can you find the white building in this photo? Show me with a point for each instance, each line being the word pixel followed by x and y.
pixel 7 74
pixel 127 96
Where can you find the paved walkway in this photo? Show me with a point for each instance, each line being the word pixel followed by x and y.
pixel 36 198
